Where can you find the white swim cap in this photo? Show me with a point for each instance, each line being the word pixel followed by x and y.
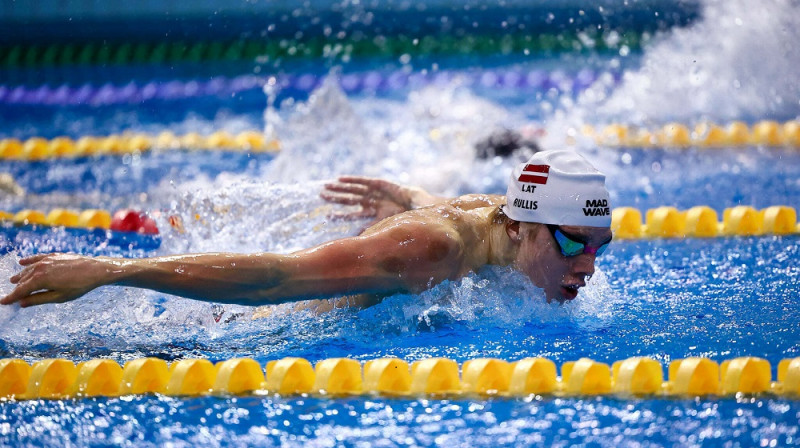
pixel 558 187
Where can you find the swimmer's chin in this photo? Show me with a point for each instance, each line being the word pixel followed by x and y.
pixel 565 294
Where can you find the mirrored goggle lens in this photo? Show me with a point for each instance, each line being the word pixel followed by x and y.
pixel 571 248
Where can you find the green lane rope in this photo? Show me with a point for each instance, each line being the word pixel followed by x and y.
pixel 22 56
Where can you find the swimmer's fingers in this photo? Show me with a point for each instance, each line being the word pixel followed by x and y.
pixel 375 186
pixel 17 277
pixel 30 264
pixel 30 292
pixel 388 192
pixel 68 276
pixel 378 198
pixel 21 275
pixel 42 297
pixel 342 198
pixel 347 188
pixel 372 183
pixel 353 216
pixel 23 290
pixel 363 180
pixel 30 267
pixel 8 299
pixel 31 279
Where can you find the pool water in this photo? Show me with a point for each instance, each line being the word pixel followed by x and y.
pixel 363 421
pixel 667 299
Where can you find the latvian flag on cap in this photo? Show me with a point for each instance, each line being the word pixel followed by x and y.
pixel 535 174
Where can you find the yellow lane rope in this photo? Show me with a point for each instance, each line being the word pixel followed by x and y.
pixel 626 222
pixel 674 135
pixel 702 222
pixel 481 377
pixel 125 220
pixel 37 148
pixel 765 133
pixel 92 218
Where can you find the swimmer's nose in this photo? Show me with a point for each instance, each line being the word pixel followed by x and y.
pixel 583 265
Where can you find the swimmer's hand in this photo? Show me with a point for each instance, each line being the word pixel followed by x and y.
pixel 55 278
pixel 378 198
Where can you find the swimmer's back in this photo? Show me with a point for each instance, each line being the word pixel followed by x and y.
pixel 463 222
pixel 455 214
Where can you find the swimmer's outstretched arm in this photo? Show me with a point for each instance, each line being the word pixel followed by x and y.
pixel 407 257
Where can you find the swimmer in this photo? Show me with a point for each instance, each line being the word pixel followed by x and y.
pixel 551 225
pixel 507 143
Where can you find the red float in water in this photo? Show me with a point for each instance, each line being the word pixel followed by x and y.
pixel 126 221
pixel 148 226
pixel 129 220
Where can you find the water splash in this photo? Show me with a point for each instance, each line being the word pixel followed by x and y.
pixel 244 215
pixel 495 297
pixel 9 265
pixel 738 63
pixel 323 138
pixel 425 140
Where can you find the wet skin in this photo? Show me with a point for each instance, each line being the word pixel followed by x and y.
pixel 407 252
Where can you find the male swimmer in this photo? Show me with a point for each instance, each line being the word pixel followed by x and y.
pixel 551 225
pixel 506 142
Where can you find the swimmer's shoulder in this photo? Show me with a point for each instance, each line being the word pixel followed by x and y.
pixel 451 218
pixel 440 226
pixel 472 201
pixel 425 222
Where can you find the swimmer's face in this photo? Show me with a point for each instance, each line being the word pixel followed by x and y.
pixel 540 257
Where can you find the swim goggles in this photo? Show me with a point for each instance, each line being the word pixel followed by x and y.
pixel 571 247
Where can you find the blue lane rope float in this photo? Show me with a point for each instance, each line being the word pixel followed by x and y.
pixel 352 83
pixel 392 377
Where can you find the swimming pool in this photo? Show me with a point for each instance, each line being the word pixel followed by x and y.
pixel 668 299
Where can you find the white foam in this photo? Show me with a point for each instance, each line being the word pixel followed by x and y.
pixel 240 215
pixel 738 62
pixel 9 265
pixel 425 140
pixel 496 297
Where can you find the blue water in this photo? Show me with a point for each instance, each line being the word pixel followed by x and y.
pixel 667 299
pixel 138 421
